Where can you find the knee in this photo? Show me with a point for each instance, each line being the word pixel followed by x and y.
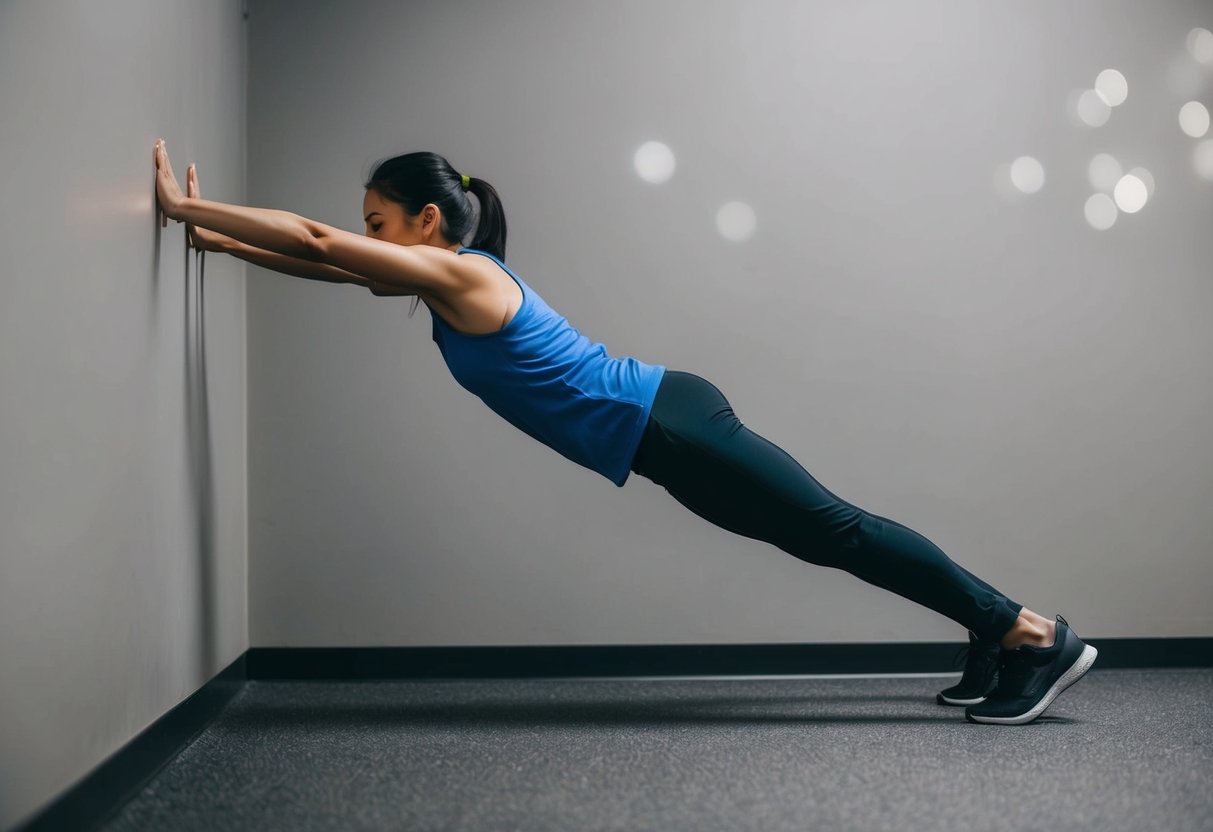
pixel 832 538
pixel 846 525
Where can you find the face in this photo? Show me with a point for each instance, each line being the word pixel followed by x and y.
pixel 387 220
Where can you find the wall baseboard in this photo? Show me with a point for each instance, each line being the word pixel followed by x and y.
pixel 119 777
pixel 673 660
pixel 99 794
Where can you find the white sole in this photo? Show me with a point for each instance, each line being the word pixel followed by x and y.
pixel 1076 672
pixel 952 701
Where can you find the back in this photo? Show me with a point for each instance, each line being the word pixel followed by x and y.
pixel 551 382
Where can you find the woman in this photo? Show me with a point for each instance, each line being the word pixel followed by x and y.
pixel 503 343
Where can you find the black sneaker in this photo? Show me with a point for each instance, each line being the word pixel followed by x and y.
pixel 980 675
pixel 1030 678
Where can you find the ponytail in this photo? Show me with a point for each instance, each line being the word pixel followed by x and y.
pixel 490 231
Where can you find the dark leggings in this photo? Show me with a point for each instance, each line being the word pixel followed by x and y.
pixel 700 452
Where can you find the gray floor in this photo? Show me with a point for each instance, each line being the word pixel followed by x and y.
pixel 1122 749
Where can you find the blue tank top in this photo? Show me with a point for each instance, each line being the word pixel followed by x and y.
pixel 551 382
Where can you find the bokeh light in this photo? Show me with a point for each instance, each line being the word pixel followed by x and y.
pixel 1027 174
pixel 654 162
pixel 736 221
pixel 1200 45
pixel 1112 87
pixel 1194 119
pixel 1101 212
pixel 1104 172
pixel 1092 110
pixel 1130 194
pixel 1146 177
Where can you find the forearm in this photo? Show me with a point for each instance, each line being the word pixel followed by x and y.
pixel 298 267
pixel 268 229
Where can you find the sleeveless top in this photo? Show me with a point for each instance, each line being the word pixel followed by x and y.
pixel 551 382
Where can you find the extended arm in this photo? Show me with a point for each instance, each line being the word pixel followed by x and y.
pixel 205 239
pixel 307 269
pixel 296 245
pixel 406 269
pixel 268 229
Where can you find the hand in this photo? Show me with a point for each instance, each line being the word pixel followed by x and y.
pixel 200 238
pixel 168 192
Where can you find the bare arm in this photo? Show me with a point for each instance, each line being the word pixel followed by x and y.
pixel 295 266
pixel 206 240
pixel 307 269
pixel 292 242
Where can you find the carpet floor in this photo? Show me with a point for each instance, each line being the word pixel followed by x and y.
pixel 1120 750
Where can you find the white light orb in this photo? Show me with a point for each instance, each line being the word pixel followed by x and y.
pixel 1093 110
pixel 1027 174
pixel 1104 172
pixel 654 162
pixel 1194 119
pixel 1202 159
pixel 1200 45
pixel 1130 194
pixel 1101 212
pixel 1112 87
pixel 1146 177
pixel 736 221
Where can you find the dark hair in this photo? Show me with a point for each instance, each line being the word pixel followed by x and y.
pixel 417 179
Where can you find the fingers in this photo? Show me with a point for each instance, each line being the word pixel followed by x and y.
pixel 156 149
pixel 166 178
pixel 162 161
pixel 191 189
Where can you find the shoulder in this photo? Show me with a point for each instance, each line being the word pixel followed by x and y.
pixel 455 276
pixel 479 298
pixel 473 272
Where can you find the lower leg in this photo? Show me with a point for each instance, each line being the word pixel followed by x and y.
pixel 887 554
pixel 885 548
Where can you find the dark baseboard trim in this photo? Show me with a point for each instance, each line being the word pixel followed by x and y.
pixel 302 663
pixel 104 791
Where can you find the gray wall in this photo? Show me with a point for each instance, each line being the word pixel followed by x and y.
pixel 987 368
pixel 1028 392
pixel 123 567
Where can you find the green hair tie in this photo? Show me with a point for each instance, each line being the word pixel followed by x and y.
pixel 467 181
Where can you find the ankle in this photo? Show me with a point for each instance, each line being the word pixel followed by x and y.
pixel 1031 629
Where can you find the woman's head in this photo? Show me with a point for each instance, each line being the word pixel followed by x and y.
pixel 418 198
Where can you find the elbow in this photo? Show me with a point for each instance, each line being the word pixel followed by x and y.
pixel 312 247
